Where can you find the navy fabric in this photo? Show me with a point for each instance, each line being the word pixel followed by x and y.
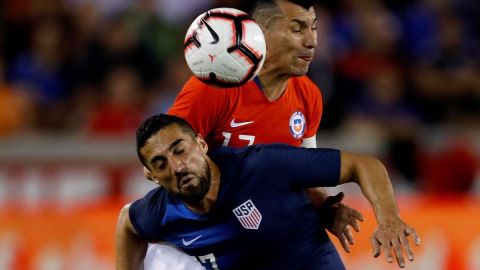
pixel 261 180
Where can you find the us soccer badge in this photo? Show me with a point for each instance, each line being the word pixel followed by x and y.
pixel 297 125
pixel 248 215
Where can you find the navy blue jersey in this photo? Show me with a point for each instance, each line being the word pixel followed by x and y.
pixel 262 218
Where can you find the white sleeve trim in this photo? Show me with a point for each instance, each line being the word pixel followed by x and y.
pixel 310 142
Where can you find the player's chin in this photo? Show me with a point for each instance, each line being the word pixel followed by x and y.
pixel 194 191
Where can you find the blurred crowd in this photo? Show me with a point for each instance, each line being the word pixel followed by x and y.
pixel 400 79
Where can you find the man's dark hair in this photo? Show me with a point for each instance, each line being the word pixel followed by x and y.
pixel 306 4
pixel 263 9
pixel 156 123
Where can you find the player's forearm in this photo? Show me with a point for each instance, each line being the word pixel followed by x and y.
pixel 372 177
pixel 130 250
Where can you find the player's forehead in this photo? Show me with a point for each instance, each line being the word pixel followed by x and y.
pixel 162 141
pixel 290 12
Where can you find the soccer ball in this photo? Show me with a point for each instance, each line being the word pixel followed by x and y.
pixel 224 47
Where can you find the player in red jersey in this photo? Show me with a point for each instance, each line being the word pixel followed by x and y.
pixel 244 115
pixel 281 105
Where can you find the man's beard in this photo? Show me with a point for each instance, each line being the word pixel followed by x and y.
pixel 197 193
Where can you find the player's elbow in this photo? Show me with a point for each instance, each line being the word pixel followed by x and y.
pixel 357 168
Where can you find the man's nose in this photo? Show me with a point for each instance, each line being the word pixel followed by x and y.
pixel 310 39
pixel 177 164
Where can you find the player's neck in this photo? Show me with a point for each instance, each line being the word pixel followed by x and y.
pixel 273 85
pixel 206 204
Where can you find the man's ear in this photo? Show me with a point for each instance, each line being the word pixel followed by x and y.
pixel 201 142
pixel 147 173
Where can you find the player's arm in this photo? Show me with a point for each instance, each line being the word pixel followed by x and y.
pixel 317 194
pixel 305 168
pixel 372 177
pixel 130 250
pixel 337 217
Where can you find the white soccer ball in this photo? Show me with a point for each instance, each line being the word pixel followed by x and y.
pixel 225 47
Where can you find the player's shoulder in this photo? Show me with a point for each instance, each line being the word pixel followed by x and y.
pixel 147 214
pixel 231 158
pixel 240 154
pixel 154 199
pixel 156 195
pixel 196 90
pixel 193 83
pixel 231 154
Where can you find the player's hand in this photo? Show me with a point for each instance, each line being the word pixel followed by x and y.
pixel 339 219
pixel 391 237
pixel 147 173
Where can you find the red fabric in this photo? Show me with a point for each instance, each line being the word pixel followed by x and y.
pixel 211 110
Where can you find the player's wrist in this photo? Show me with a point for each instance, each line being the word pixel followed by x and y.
pixel 387 216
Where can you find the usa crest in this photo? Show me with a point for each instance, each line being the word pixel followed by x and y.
pixel 297 125
pixel 248 215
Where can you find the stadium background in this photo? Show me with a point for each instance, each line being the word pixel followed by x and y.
pixel 400 80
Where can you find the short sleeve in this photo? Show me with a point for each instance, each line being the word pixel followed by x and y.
pixel 146 215
pixel 203 106
pixel 296 166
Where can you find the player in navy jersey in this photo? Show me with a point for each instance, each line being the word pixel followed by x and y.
pixel 246 208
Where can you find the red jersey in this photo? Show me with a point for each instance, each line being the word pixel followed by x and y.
pixel 243 116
